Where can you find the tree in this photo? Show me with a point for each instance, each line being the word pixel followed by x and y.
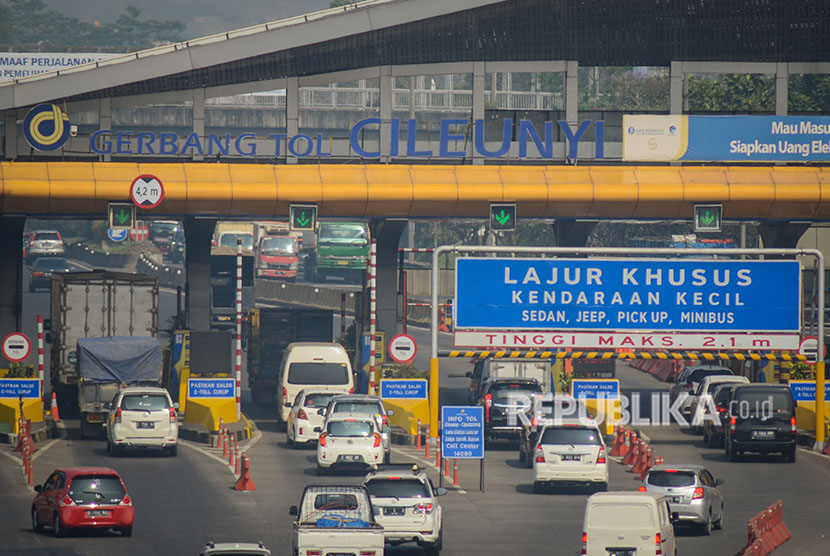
pixel 734 92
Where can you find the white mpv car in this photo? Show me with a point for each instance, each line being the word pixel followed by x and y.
pixel 304 420
pixel 349 443
pixel 570 453
pixel 142 417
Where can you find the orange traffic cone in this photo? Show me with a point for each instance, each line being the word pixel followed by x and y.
pixel 55 415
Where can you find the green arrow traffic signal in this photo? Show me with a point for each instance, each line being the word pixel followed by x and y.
pixel 707 218
pixel 302 221
pixel 121 215
pixel 503 216
pixel 303 217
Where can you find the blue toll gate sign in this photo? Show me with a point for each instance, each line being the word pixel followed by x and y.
pixel 211 388
pixel 462 432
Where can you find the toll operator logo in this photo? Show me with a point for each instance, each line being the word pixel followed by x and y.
pixel 46 127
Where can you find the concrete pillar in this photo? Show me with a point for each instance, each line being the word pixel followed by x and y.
pixel 292 113
pixel 572 233
pixel 105 122
pixel 385 113
pixel 572 93
pixel 478 107
pixel 11 274
pixel 387 233
pixel 782 82
pixel 676 79
pixel 198 118
pixel 782 235
pixel 10 140
pixel 198 233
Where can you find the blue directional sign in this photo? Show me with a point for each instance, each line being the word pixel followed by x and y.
pixel 628 294
pixel 594 389
pixel 405 389
pixel 462 432
pixel 29 388
pixel 805 390
pixel 211 388
pixel 118 234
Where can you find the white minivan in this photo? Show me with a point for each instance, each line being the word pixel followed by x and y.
pixel 628 524
pixel 311 365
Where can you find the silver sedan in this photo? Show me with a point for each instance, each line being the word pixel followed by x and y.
pixel 692 491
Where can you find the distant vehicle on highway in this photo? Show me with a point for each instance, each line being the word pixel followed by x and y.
pixel 41 273
pixel 572 452
pixel 278 257
pixel 349 443
pixel 160 233
pixel 692 492
pixel 703 394
pixel 713 431
pixel 761 419
pixel 503 399
pixel 235 549
pixel 364 404
pixel 688 381
pixel 628 523
pixel 405 500
pixel 305 420
pixel 142 417
pixel 83 497
pixel 44 243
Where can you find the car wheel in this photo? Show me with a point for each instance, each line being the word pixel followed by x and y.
pixel 707 440
pixel 435 548
pixel 602 487
pixel 733 452
pixel 289 440
pixel 791 455
pixel 522 456
pixel 387 458
pixel 127 531
pixel 31 287
pixel 36 524
pixel 60 530
pixel 172 451
pixel 719 523
pixel 115 451
pixel 538 488
pixel 706 528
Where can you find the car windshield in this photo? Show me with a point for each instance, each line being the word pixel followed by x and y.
pixel 700 374
pixel 51 263
pixel 96 489
pixel 512 392
pixel 671 478
pixel 318 400
pixel 397 488
pixel 330 232
pixel 357 408
pixel 163 227
pixel 722 396
pixel 714 385
pixel 274 245
pixel 308 372
pixel 47 236
pixel 350 428
pixel 144 402
pixel 571 435
pixel 761 400
pixel 228 239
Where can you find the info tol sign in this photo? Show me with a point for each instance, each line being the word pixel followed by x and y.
pixel 462 432
pixel 613 303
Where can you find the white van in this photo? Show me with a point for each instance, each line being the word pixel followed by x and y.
pixel 628 524
pixel 310 365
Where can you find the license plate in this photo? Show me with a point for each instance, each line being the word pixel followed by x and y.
pixel 350 457
pixel 342 262
pixel 571 457
pixel 763 434
pixel 145 425
pixel 676 499
pixel 620 553
pixel 394 511
pixel 97 513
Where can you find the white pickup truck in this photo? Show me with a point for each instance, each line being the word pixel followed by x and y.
pixel 336 520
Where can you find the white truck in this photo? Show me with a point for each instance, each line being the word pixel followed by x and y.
pixel 336 519
pixel 490 368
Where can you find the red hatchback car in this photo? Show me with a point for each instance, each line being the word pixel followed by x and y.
pixel 75 497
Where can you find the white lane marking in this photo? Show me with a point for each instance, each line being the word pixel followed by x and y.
pixel 212 452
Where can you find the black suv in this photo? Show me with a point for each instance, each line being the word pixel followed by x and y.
pixel 502 397
pixel 761 418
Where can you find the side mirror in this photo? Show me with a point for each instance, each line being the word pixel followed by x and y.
pixel 107 405
pixel 318 429
pixel 176 405
pixel 293 510
pixel 675 517
pixel 469 374
pixel 440 491
pixel 718 482
pixel 321 411
pixel 38 488
pixel 390 412
pixel 375 510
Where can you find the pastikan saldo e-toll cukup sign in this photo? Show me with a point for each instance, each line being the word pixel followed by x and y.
pixel 645 304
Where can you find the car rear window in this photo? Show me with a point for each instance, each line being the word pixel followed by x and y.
pixel 96 489
pixel 50 263
pixel 357 408
pixel 397 488
pixel 671 478
pixel 699 374
pixel 762 399
pixel 571 435
pixel 620 516
pixel 308 372
pixel 335 502
pixel 502 391
pixel 723 395
pixel 318 400
pixel 46 236
pixel 350 428
pixel 144 402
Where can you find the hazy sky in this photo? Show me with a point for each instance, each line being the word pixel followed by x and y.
pixel 202 17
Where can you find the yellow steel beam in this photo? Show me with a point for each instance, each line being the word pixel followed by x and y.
pixel 237 190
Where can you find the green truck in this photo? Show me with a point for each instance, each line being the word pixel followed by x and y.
pixel 342 251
